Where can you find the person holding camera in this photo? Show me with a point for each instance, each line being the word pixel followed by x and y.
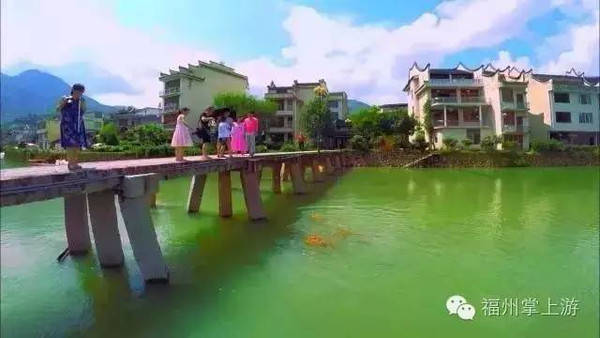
pixel 72 128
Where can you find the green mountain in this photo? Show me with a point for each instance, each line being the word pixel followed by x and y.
pixel 36 93
pixel 354 105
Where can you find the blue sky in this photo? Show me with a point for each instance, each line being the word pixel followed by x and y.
pixel 362 47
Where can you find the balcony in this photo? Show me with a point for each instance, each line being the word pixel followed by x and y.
pixel 280 96
pixel 511 128
pixel 458 100
pixel 170 91
pixel 455 83
pixel 169 107
pixel 507 105
pixel 284 113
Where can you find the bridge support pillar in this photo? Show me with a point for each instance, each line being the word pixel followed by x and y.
pixel 276 178
pixel 195 193
pixel 251 188
pixel 328 166
pixel 140 228
pixel 76 224
pixel 297 177
pixel 337 163
pixel 225 209
pixel 103 216
pixel 152 200
pixel 316 173
pixel 259 170
pixel 286 172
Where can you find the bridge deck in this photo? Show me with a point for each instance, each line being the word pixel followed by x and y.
pixel 23 185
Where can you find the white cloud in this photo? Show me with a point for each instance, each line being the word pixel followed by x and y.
pixel 505 59
pixel 578 47
pixel 369 61
pixel 49 33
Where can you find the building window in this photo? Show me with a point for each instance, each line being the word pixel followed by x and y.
pixel 507 95
pixel 520 100
pixel 474 135
pixel 471 114
pixel 561 98
pixel 563 117
pixel 586 118
pixel 585 99
pixel 332 104
pixel 281 105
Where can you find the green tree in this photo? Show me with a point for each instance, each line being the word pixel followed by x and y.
pixel 428 122
pixel 365 122
pixel 108 134
pixel 316 119
pixel 147 135
pixel 242 103
pixel 371 122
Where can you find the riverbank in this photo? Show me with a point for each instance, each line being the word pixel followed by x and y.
pixel 478 159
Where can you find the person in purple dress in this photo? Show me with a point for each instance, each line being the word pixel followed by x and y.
pixel 72 129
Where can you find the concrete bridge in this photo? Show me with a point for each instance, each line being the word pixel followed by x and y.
pixel 131 186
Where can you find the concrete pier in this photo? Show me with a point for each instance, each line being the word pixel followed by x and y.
pixel 76 224
pixel 276 177
pixel 225 208
pixel 140 228
pixel 251 189
pixel 316 173
pixel 297 177
pixel 196 191
pixel 103 216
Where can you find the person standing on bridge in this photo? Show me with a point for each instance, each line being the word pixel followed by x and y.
pixel 72 129
pixel 181 135
pixel 251 129
pixel 204 129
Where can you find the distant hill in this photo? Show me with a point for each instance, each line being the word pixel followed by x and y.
pixel 35 92
pixel 354 105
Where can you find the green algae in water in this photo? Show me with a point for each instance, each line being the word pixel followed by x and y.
pixel 412 238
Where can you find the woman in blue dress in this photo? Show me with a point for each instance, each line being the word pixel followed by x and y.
pixel 72 129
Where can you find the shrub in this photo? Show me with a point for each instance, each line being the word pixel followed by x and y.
pixel 108 134
pixel 549 145
pixel 466 143
pixel 360 143
pixel 449 143
pixel 509 145
pixel 386 143
pixel 261 148
pixel 420 142
pixel 489 143
pixel 288 147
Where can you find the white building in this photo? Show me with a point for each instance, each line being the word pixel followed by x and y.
pixel 565 108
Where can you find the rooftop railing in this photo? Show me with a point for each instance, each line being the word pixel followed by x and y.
pixel 455 82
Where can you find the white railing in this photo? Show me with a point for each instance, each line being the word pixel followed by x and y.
pixel 284 112
pixel 170 107
pixel 455 82
pixel 511 128
pixel 169 91
pixel 445 99
pixel 458 99
pixel 472 99
pixel 514 106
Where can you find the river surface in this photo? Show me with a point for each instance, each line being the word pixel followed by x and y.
pixel 398 244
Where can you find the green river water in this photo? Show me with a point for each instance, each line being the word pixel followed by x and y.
pixel 400 242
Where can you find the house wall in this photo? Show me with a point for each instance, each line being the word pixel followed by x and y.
pixel 575 107
pixel 197 95
pixel 539 109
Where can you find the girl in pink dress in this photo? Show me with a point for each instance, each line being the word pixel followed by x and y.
pixel 238 139
pixel 181 135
